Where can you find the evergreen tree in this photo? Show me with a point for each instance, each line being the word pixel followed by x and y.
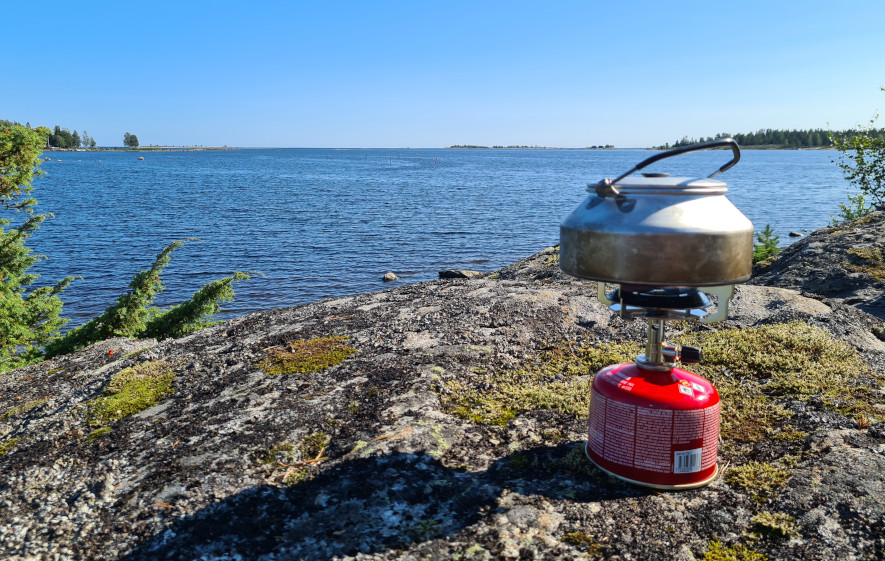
pixel 28 318
pixel 75 138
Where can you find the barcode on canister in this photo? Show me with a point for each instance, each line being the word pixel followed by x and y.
pixel 687 461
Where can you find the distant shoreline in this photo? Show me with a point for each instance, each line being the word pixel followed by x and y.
pixel 143 149
pixel 457 147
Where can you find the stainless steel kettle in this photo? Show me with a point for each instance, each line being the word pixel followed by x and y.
pixel 658 230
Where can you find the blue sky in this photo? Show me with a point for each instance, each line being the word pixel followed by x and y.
pixel 433 74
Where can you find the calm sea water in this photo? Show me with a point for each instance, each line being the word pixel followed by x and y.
pixel 320 223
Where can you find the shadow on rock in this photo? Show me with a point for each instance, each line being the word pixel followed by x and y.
pixel 370 505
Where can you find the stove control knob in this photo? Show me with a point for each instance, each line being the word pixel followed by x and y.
pixel 690 355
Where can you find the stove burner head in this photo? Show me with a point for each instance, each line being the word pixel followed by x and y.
pixel 640 296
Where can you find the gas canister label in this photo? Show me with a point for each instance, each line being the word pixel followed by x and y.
pixel 653 439
pixel 687 461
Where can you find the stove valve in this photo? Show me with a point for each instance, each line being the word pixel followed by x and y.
pixel 686 355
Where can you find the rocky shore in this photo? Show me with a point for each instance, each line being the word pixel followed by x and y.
pixel 446 420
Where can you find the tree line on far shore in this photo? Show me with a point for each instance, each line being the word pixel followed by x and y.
pixel 776 138
pixel 61 137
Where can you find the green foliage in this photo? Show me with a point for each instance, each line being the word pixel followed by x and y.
pixel 307 355
pixel 28 319
pixel 20 149
pixel 774 138
pixel 767 246
pixel 133 315
pixel 857 207
pixel 130 391
pixel 190 316
pixel 61 138
pixel 130 140
pixel 862 160
pixel 30 322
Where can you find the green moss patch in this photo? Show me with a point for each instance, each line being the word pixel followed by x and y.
pixel 283 452
pixel 767 525
pixel 130 391
pixel 751 368
pixel 754 369
pixel 314 445
pixel 97 434
pixel 307 355
pixel 310 448
pixel 7 445
pixel 23 408
pixel 584 541
pixel 718 552
pixel 557 379
pixel 870 261
pixel 761 479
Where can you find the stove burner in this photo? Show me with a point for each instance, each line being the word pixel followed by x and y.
pixel 662 298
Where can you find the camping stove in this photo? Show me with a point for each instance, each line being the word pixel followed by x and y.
pixel 652 423
pixel 668 244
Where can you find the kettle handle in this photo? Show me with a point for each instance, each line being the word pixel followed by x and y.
pixel 735 149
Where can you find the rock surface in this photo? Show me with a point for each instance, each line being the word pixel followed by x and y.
pixel 845 262
pixel 460 274
pixel 221 469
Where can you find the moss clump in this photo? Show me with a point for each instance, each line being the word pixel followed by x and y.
pixel 314 445
pixel 23 408
pixel 288 453
pixel 584 541
pixel 789 434
pixel 717 552
pixel 97 433
pixel 283 452
pixel 130 391
pixel 307 355
pixel 760 479
pixel 753 367
pixel 872 262
pixel 297 476
pixel 557 379
pixel 767 525
pixel 7 445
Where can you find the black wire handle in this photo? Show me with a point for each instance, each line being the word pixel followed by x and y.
pixel 735 149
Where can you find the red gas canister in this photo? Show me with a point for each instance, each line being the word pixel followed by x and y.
pixel 655 428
